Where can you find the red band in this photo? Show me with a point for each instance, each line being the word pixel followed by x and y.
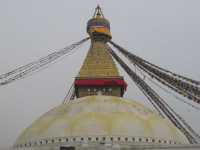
pixel 101 82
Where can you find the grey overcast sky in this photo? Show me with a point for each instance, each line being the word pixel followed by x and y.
pixel 165 32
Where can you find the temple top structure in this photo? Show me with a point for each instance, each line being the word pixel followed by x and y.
pixel 99 73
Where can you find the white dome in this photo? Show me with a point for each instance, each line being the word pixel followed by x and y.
pixel 100 117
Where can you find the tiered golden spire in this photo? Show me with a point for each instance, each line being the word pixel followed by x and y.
pixel 98 63
pixel 99 74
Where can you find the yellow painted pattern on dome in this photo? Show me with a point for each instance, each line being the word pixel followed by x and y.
pixel 98 63
pixel 101 116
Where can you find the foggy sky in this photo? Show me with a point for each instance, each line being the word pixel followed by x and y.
pixel 165 32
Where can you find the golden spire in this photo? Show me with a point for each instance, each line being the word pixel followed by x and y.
pixel 99 73
pixel 98 63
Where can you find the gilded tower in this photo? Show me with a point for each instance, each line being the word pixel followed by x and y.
pixel 99 74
